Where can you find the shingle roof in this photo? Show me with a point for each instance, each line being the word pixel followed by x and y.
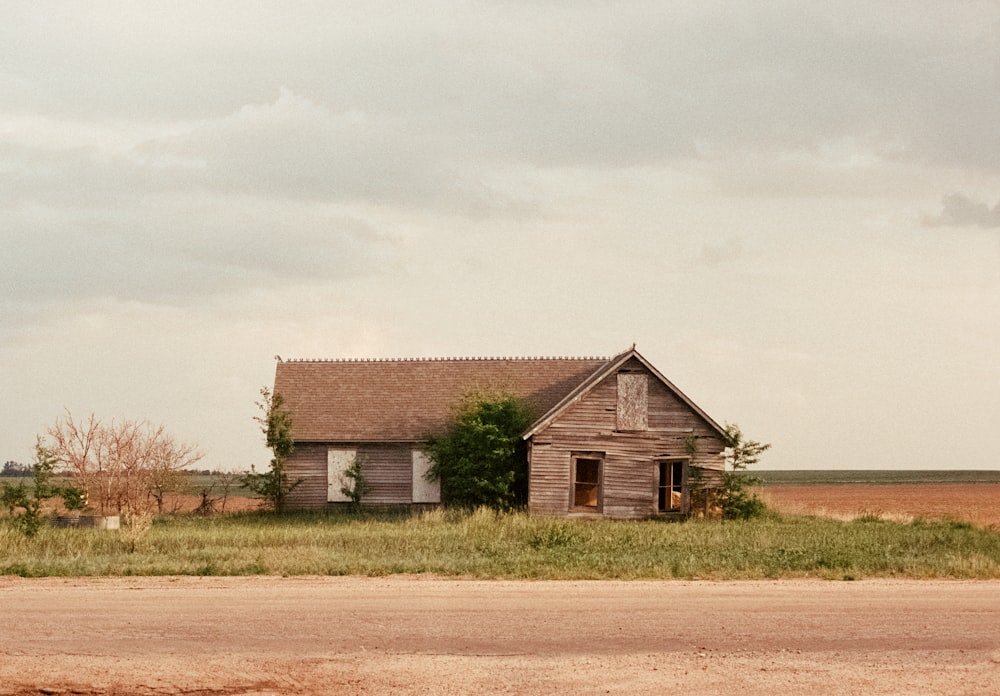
pixel 407 400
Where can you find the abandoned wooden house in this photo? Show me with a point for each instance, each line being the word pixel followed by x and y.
pixel 612 437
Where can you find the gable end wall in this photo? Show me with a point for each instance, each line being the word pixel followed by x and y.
pixel 629 457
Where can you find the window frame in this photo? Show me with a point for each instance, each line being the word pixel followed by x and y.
pixel 575 458
pixel 658 487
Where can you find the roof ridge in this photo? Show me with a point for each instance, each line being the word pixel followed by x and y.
pixel 446 359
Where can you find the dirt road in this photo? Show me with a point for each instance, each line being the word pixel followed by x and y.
pixel 435 636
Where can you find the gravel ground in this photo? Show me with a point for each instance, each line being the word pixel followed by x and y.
pixel 419 635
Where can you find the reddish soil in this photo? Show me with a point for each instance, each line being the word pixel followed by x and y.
pixel 267 635
pixel 978 503
pixel 189 503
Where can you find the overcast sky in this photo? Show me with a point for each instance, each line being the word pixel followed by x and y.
pixel 792 208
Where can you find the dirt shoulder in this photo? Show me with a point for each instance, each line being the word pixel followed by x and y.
pixel 261 635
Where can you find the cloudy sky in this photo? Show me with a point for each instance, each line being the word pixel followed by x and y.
pixel 792 208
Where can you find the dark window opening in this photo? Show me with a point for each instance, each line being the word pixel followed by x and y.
pixel 670 489
pixel 587 483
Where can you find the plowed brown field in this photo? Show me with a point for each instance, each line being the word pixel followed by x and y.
pixel 977 503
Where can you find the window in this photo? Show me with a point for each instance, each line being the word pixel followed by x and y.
pixel 587 482
pixel 633 401
pixel 670 486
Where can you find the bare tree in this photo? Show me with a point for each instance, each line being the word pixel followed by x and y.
pixel 123 466
pixel 167 460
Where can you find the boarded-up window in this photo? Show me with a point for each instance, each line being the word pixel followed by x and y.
pixel 633 401
pixel 424 490
pixel 337 462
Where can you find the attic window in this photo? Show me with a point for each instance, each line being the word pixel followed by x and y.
pixel 633 401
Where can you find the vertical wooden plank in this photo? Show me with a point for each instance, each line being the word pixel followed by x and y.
pixel 307 466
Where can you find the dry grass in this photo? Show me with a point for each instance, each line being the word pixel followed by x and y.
pixel 975 503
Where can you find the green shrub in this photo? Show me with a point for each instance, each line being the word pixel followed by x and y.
pixel 356 486
pixel 24 502
pixel 482 460
pixel 737 499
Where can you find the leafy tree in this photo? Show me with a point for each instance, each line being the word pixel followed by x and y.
pixel 29 521
pixel 481 459
pixel 276 423
pixel 737 499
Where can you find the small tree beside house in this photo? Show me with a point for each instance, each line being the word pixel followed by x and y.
pixel 274 485
pixel 354 483
pixel 737 499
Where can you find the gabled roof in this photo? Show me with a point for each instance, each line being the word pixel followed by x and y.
pixel 407 400
pixel 609 368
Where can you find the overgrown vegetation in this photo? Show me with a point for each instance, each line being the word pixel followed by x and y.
pixel 737 498
pixel 486 544
pixel 481 461
pixel 356 484
pixel 273 485
pixel 24 503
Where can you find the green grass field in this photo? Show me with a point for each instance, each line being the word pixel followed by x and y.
pixel 486 545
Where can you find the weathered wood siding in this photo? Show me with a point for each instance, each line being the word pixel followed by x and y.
pixel 630 473
pixel 389 471
pixel 308 463
pixel 387 468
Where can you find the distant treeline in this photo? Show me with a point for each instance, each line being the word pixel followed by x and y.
pixel 210 472
pixel 13 469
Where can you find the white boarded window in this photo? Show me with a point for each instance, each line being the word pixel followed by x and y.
pixel 337 462
pixel 633 401
pixel 424 491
